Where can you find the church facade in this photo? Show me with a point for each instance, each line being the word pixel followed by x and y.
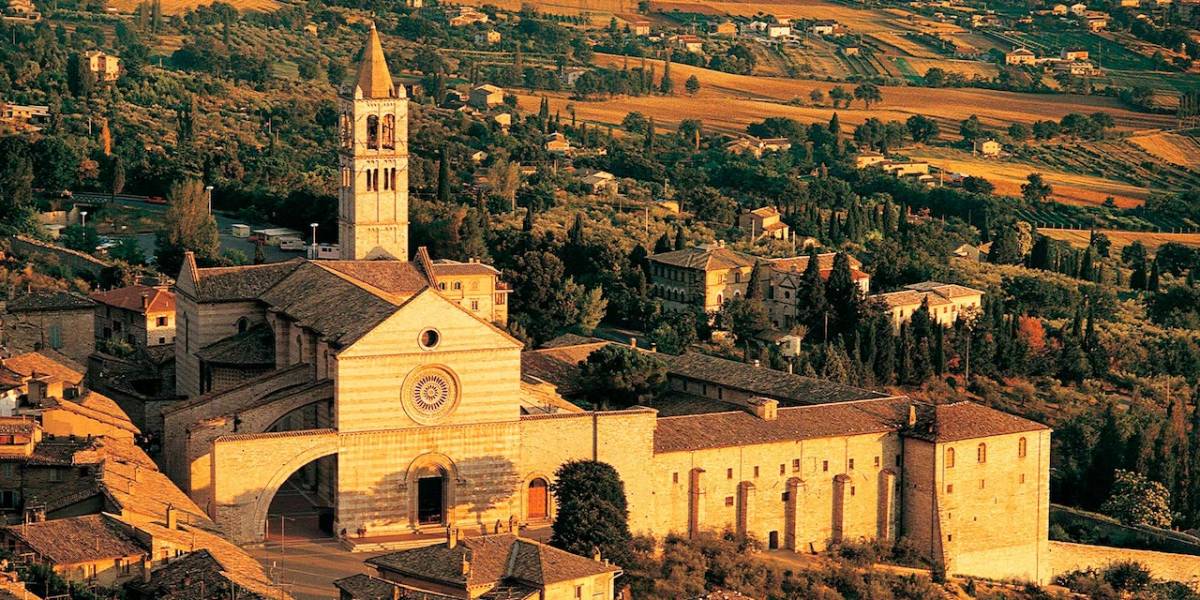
pixel 391 390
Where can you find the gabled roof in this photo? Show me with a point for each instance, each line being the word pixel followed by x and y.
pixel 707 259
pixel 255 346
pixel 967 420
pixel 365 587
pixel 787 388
pixel 132 298
pixel 559 366
pixel 201 575
pixel 220 284
pixel 491 560
pixel 76 540
pixel 373 78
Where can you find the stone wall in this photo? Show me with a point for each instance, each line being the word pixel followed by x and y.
pixel 81 264
pixel 1066 557
pixel 68 332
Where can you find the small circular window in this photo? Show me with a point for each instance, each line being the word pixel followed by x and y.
pixel 429 339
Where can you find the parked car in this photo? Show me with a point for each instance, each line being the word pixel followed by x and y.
pixel 156 200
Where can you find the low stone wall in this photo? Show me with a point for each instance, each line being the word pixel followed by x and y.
pixel 1066 557
pixel 78 262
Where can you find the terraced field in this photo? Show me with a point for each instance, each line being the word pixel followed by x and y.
pixel 1120 239
pixel 1182 150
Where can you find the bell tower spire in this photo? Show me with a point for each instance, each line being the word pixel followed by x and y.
pixel 373 156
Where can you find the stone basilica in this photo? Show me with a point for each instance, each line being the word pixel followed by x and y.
pixel 389 392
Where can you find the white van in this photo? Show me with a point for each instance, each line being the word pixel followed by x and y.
pixel 292 244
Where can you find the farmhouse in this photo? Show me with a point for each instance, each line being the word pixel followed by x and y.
pixel 486 96
pixel 1095 21
pixel 557 143
pixel 1078 9
pixel 946 302
pixel 637 25
pixel 488 37
pixel 763 223
pixel 598 182
pixel 23 116
pixel 467 16
pixel 1061 9
pixel 689 43
pixel 770 30
pixel 988 148
pixel 868 158
pixel 406 416
pixel 785 276
pixel 757 146
pixel 824 27
pixel 1020 56
pixel 105 67
pixel 725 28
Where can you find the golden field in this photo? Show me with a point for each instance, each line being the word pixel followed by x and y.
pixel 1120 239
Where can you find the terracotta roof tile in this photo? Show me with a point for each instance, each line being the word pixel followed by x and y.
pixel 443 268
pixel 76 540
pixel 132 298
pixel 57 366
pixel 319 300
pixel 255 346
pixel 968 420
pixel 492 559
pixel 365 587
pixel 740 428
pixel 17 425
pixel 201 575
pixel 49 300
pixel 216 284
pixel 707 259
pixel 787 388
pixel 559 366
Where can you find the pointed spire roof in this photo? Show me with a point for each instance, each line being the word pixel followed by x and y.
pixel 373 77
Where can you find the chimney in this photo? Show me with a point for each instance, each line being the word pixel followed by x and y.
pixel 172 517
pixel 451 536
pixel 146 568
pixel 466 563
pixel 912 415
pixel 596 554
pixel 145 300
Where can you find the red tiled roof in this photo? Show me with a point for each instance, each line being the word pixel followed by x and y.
pixel 706 259
pixel 77 540
pixel 58 367
pixel 559 366
pixel 133 297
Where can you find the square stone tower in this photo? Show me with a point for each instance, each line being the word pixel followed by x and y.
pixel 373 156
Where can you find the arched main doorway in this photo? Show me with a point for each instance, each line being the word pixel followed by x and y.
pixel 537 500
pixel 431 495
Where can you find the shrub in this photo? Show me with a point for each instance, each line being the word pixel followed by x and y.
pixel 1127 575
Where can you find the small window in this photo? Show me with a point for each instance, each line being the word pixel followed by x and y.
pixel 243 324
pixel 876 461
pixel 949 488
pixel 674 477
pixel 824 466
pixel 728 473
pixel 458 285
pixel 949 457
pixel 782 468
pixel 786 496
pixel 160 322
pixel 429 339
pixel 981 453
pixel 728 500
pixel 795 465
pixel 475 305
pixel 851 464
pixel 982 484
pixel 852 490
pixel 949 537
pixel 1022 448
pixel 756 471
pixel 1022 480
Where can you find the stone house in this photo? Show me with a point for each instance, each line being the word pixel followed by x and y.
pixel 52 392
pixel 947 302
pixel 1020 56
pixel 725 28
pixel 487 38
pixel 106 67
pixel 50 320
pixel 557 143
pixel 989 148
pixel 92 549
pixel 486 96
pixel 599 182
pixel 139 315
pixel 493 566
pixel 700 277
pixel 785 275
pixel 763 222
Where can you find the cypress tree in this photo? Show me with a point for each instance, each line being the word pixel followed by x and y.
pixel 443 184
pixel 922 366
pixel 904 353
pixel 667 86
pixel 1152 283
pixel 575 234
pixel 663 244
pixel 843 295
pixel 1109 446
pixel 811 305
pixel 939 350
pixel 1137 279
pixel 527 224
pixel 835 127
pixel 680 242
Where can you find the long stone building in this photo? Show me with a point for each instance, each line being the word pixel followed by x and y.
pixel 401 408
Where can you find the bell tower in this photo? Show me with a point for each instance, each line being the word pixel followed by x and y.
pixel 373 161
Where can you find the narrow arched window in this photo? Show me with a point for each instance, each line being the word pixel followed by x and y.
pixel 1022 448
pixel 386 179
pixel 389 131
pixel 243 324
pixel 981 453
pixel 373 132
pixel 949 457
pixel 394 178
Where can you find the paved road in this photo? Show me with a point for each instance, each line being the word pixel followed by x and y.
pixel 307 568
pixel 224 221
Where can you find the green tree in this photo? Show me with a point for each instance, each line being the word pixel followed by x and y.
pixel 1035 188
pixel 443 181
pixel 592 307
pixel 922 128
pixel 593 514
pixel 16 187
pixel 843 295
pixel 83 239
pixel 1136 500
pixel 868 93
pixel 128 250
pixel 616 376
pixel 745 317
pixel 117 180
pixel 55 163
pixel 971 129
pixel 692 85
pixel 812 307
pixel 667 85
pixel 187 226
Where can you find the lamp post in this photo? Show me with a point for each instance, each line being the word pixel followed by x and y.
pixel 313 250
pixel 208 192
pixel 83 218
